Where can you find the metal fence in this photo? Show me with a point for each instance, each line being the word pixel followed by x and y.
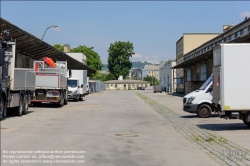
pixel 96 86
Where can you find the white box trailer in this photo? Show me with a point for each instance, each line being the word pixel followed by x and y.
pixel 77 84
pixel 231 80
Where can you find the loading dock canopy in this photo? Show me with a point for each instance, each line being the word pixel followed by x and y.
pixel 31 46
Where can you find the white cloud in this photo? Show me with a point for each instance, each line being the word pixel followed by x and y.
pixel 245 14
pixel 150 59
pixel 137 56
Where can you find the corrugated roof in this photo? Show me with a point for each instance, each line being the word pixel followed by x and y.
pixel 31 46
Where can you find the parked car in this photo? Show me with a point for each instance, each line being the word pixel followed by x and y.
pixel 157 88
pixel 142 88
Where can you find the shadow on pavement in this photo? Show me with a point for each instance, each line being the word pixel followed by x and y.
pixel 196 116
pixel 75 101
pixel 224 126
pixel 12 114
pixel 176 94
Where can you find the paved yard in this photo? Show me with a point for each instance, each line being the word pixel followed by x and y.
pixel 113 128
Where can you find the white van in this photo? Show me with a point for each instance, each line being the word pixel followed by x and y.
pixel 200 101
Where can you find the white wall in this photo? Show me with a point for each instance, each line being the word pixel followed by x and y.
pixel 144 73
pixel 166 76
pixel 78 56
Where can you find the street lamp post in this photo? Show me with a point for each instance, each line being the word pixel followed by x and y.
pixel 48 28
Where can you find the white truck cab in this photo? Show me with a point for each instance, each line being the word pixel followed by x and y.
pixel 200 101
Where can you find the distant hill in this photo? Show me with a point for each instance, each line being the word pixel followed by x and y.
pixel 140 64
pixel 137 64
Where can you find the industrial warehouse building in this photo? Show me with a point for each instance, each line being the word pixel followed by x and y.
pixel 125 84
pixel 197 64
pixel 186 43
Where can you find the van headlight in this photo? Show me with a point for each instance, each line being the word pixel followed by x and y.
pixel 190 99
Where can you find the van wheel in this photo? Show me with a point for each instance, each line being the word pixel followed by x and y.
pixel 204 111
pixel 2 108
pixel 19 109
pixel 246 123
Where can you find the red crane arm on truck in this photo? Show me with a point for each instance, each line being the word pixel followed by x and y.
pixel 47 61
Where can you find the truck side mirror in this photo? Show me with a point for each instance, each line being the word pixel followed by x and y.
pixel 2 57
pixel 210 89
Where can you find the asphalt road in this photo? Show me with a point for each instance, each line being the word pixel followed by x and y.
pixel 112 128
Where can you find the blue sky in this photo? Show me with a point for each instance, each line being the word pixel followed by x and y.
pixel 152 27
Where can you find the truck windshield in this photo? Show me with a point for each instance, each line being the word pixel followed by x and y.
pixel 72 83
pixel 204 86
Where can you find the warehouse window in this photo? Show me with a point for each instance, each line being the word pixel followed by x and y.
pixel 238 33
pixel 231 37
pixel 203 76
pixel 244 31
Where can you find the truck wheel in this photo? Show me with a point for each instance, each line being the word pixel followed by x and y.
pixel 25 105
pixel 2 108
pixel 61 102
pixel 65 99
pixel 19 109
pixel 204 111
pixel 246 123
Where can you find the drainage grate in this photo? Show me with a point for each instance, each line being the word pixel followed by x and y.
pixel 127 135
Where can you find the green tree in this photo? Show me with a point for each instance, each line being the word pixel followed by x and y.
pixel 169 61
pixel 58 46
pixel 152 80
pixel 92 58
pixel 118 60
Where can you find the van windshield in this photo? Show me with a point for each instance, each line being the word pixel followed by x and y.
pixel 204 86
pixel 72 83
